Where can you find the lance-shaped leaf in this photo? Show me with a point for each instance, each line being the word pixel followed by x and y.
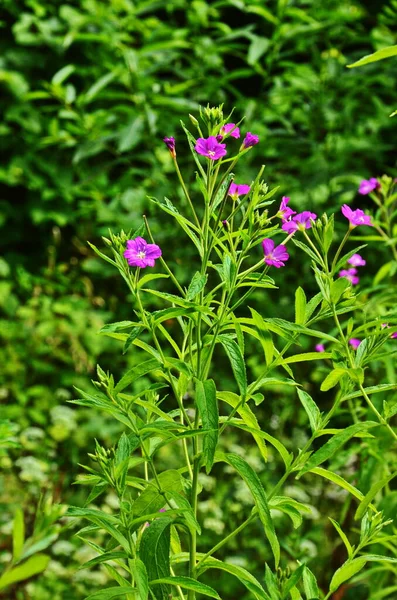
pixel 254 483
pixel 237 362
pixel 154 551
pixel 333 445
pixel 208 408
pixel 248 580
pixel 139 572
pixel 346 572
pixel 371 495
pixel 188 584
pixel 196 285
pixel 152 499
pixel 300 306
pixel 112 592
pixel 136 372
pixel 311 409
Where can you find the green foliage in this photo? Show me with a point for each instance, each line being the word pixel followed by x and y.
pixel 88 90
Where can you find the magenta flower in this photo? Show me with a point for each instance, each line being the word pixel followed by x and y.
pixel 210 148
pixel 300 221
pixel 250 140
pixel 356 217
pixel 368 185
pixel 394 335
pixel 274 256
pixel 350 274
pixel 170 143
pixel 238 190
pixel 354 343
pixel 357 261
pixel 228 127
pixel 387 326
pixel 141 254
pixel 319 348
pixel 284 212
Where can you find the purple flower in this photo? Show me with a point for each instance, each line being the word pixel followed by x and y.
pixel 274 256
pixel 284 212
pixel 300 221
pixel 210 148
pixel 368 185
pixel 228 127
pixel 170 143
pixel 354 343
pixel 357 261
pixel 394 335
pixel 356 217
pixel 250 140
pixel 238 190
pixel 141 254
pixel 350 274
pixel 319 348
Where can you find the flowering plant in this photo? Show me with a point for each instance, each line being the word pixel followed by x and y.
pixel 173 397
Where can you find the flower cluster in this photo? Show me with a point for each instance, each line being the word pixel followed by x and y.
pixel 368 185
pixel 351 273
pixel 212 146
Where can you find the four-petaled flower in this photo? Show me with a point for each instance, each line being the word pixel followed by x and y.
pixel 368 185
pixel 300 221
pixel 356 217
pixel 274 256
pixel 229 127
pixel 357 261
pixel 319 348
pixel 350 274
pixel 238 190
pixel 250 140
pixel 354 343
pixel 210 147
pixel 141 254
pixel 284 212
pixel 170 143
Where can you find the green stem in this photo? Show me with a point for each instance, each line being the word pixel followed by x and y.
pixel 339 250
pixel 178 172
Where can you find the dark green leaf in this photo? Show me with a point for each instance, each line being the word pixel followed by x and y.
pixel 208 408
pixel 237 362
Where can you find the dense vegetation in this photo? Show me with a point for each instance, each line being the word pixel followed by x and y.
pixel 88 91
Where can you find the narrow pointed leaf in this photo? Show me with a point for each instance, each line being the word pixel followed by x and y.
pixel 208 408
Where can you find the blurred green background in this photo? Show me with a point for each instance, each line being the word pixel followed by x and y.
pixel 88 90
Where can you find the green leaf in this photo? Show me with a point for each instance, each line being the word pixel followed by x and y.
pixel 151 277
pixel 311 409
pixel 310 585
pixel 106 556
pixel 229 271
pixel 136 372
pixel 332 379
pixel 371 495
pixel 379 55
pixel 132 336
pixel 379 558
pixel 208 408
pixel 112 592
pixel 339 481
pixel 343 537
pixel 264 335
pixel 346 572
pixel 189 584
pixel 329 449
pixel 292 581
pixel 154 551
pixel 237 362
pixel 139 572
pixel 338 288
pixel 151 499
pixel 18 535
pixel 300 306
pixel 196 285
pixel 304 357
pixel 98 86
pixel 257 48
pixel 254 483
pixel 61 75
pixel 113 327
pixel 249 419
pixel 248 580
pixel 375 389
pixel 33 566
